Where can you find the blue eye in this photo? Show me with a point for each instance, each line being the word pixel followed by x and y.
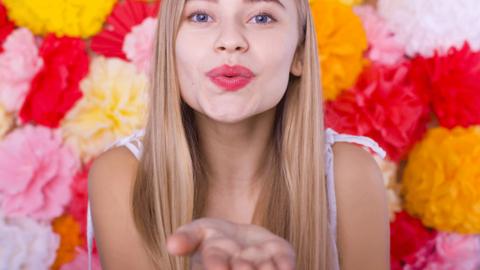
pixel 262 18
pixel 202 16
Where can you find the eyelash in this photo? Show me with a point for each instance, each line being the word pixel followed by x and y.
pixel 261 13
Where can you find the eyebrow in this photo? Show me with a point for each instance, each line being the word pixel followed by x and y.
pixel 249 1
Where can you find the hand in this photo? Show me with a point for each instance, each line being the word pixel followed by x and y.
pixel 220 244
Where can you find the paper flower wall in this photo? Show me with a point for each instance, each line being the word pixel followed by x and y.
pixel 55 89
pixel 429 25
pixel 36 170
pixel 26 244
pixel 6 26
pixel 341 44
pixel 454 85
pixel 124 17
pixel 113 106
pixel 390 170
pixel 69 230
pixel 138 45
pixel 385 105
pixel 6 121
pixel 63 17
pixel 19 63
pixel 441 180
pixel 382 46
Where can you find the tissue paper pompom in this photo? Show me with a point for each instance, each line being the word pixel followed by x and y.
pixel 55 89
pixel 63 17
pixel 26 244
pixel 384 105
pixel 124 17
pixel 389 170
pixel 6 26
pixel 6 121
pixel 454 252
pixel 138 45
pixel 382 45
pixel 81 261
pixel 448 251
pixel 341 45
pixel 35 173
pixel 453 80
pixel 407 237
pixel 114 105
pixel 19 63
pixel 423 27
pixel 441 180
pixel 78 204
pixel 70 239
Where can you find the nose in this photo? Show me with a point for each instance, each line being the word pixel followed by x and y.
pixel 231 39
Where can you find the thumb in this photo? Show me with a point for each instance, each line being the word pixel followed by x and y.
pixel 185 240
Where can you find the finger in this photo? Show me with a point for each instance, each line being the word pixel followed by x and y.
pixel 215 258
pixel 185 239
pixel 241 264
pixel 284 262
pixel 254 254
pixel 267 265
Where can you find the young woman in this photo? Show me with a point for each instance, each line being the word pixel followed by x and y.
pixel 234 169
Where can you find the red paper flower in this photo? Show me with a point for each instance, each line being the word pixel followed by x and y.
pixel 6 26
pixel 407 237
pixel 384 105
pixel 125 15
pixel 55 88
pixel 78 205
pixel 454 80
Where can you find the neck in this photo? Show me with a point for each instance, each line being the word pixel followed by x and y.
pixel 236 154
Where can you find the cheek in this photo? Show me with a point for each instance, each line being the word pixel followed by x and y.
pixel 186 60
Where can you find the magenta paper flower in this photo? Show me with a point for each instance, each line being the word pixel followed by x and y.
pixel 36 171
pixel 26 244
pixel 138 44
pixel 81 261
pixel 19 63
pixel 382 45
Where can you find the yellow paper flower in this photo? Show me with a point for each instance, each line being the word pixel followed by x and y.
pixel 69 230
pixel 113 106
pixel 76 18
pixel 6 121
pixel 441 182
pixel 341 44
pixel 389 170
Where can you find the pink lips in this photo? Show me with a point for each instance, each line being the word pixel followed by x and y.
pixel 231 78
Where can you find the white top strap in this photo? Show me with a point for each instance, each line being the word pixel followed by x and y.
pixel 331 136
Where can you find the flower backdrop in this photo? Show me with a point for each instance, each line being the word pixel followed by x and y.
pixel 403 72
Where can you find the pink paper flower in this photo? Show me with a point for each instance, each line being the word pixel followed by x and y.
pixel 19 63
pixel 138 44
pixel 36 171
pixel 383 47
pixel 448 251
pixel 26 244
pixel 81 261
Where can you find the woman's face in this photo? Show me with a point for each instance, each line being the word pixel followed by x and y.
pixel 259 35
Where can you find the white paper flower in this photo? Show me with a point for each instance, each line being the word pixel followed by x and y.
pixel 26 244
pixel 389 171
pixel 425 25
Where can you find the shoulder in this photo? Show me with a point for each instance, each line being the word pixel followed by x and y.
pixel 110 184
pixel 362 208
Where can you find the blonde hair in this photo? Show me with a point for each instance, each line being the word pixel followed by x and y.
pixel 171 186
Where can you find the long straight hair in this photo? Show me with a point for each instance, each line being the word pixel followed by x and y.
pixel 171 184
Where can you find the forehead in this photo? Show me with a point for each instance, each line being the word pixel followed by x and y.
pixel 277 2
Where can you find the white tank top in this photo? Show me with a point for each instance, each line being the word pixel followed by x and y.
pixel 134 144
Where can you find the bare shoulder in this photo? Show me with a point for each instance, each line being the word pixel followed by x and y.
pixel 110 181
pixel 363 223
